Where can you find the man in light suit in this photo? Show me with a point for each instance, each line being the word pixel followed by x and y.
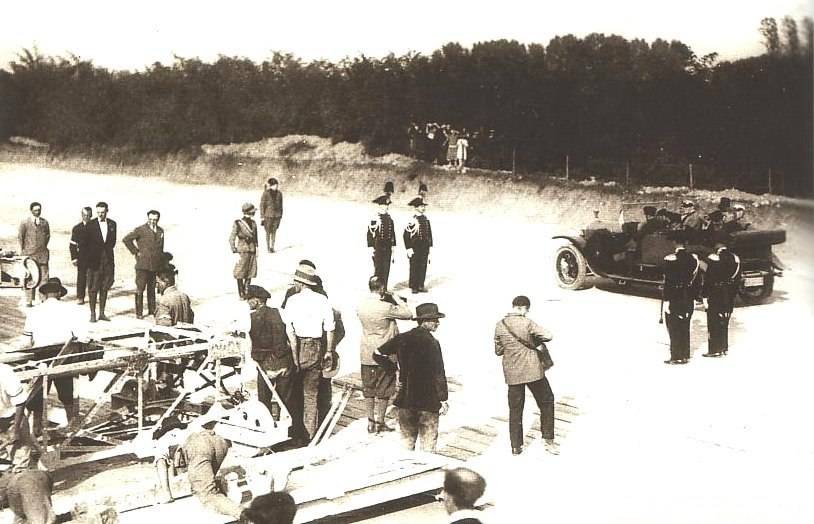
pixel 101 263
pixel 146 243
pixel 34 234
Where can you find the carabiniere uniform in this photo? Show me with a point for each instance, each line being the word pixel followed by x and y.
pixel 381 236
pixel 720 286
pixel 418 237
pixel 681 286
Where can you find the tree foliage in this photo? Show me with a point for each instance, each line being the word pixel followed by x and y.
pixel 600 97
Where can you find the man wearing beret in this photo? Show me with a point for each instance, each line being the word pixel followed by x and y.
pixel 243 241
pixel 423 393
pixel 418 241
pixel 146 243
pixel 381 237
pixel 271 211
pixel 271 350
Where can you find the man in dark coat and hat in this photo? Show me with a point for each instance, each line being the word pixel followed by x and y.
pixel 418 241
pixel 681 283
pixel 381 238
pixel 423 394
pixel 271 211
pixel 720 287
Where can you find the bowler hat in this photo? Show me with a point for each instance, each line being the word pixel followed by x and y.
pixel 382 200
pixel 417 201
pixel 306 275
pixel 248 207
pixel 428 311
pixel 54 285
pixel 257 292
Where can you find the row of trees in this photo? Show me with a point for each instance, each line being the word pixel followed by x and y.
pixel 598 97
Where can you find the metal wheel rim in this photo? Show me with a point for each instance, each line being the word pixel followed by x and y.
pixel 567 267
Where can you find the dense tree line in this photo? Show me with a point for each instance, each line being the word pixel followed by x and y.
pixel 600 98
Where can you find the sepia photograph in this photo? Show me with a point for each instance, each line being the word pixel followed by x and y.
pixel 269 262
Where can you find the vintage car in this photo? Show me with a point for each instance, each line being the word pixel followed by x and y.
pixel 619 253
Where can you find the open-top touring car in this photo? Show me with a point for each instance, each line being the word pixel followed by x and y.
pixel 628 257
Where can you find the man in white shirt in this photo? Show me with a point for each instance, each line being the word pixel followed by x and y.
pixel 15 438
pixel 307 315
pixel 54 323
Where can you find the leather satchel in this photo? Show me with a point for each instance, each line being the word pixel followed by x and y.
pixel 542 350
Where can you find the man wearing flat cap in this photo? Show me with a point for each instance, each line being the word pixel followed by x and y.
pixel 271 211
pixel 417 242
pixel 381 237
pixel 55 323
pixel 307 315
pixel 271 349
pixel 423 393
pixel 243 241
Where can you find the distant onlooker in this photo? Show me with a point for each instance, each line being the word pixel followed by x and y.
pixel 271 211
pixel 276 507
pixel 463 151
pixel 34 234
pixel 462 489
pixel 452 147
pixel 423 190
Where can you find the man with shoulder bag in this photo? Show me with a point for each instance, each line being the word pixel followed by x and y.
pixel 521 344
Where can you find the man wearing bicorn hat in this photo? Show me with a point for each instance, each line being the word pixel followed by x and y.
pixel 681 285
pixel 720 287
pixel 271 350
pixel 308 314
pixel 146 243
pixel 381 238
pixel 55 323
pixel 271 211
pixel 423 392
pixel 34 234
pixel 243 241
pixel 418 241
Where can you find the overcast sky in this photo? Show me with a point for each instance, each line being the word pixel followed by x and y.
pixel 131 35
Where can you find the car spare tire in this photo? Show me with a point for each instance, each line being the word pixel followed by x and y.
pixel 570 267
pixel 756 294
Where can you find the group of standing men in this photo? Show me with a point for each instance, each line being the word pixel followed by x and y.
pixel 417 238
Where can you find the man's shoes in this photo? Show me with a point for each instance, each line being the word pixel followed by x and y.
pixel 415 292
pixel 381 427
pixel 29 304
pixel 422 290
pixel 551 447
pixel 677 361
pixel 517 451
pixel 92 317
pixel 371 426
pixel 139 316
pixel 80 301
pixel 713 354
pixel 103 317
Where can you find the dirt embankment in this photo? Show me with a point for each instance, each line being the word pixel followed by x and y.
pixel 314 165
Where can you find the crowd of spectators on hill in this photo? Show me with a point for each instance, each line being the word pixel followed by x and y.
pixel 452 148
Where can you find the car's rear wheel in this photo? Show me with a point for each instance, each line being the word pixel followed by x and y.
pixel 757 294
pixel 571 268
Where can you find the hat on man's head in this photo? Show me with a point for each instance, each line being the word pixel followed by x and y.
pixel 388 187
pixel 306 274
pixel 716 216
pixel 422 187
pixel 724 203
pixel 649 211
pixel 260 292
pixel 417 201
pixel 382 200
pixel 428 311
pixel 739 207
pixel 54 285
pixel 272 181
pixel 248 207
pixel 687 203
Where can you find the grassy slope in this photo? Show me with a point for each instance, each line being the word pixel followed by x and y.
pixel 313 165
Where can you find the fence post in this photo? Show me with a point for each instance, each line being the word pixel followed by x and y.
pixel 627 173
pixel 514 160
pixel 691 181
pixel 566 167
pixel 770 181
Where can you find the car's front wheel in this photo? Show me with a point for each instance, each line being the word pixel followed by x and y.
pixel 571 268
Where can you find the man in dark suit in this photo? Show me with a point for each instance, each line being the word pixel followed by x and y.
pixel 462 489
pixel 720 287
pixel 381 237
pixel 146 243
pixel 418 241
pixel 101 263
pixel 78 247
